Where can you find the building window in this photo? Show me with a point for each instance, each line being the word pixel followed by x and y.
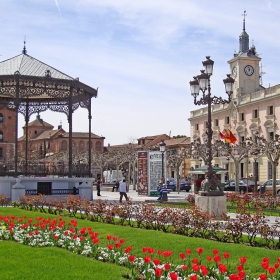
pixel 216 122
pixel 35 131
pixel 241 117
pixel 270 110
pixel 1 117
pixel 270 136
pixel 255 114
pixel 98 146
pixel 64 145
pixel 242 139
pixel 196 126
pixel 227 120
pixel 81 145
pixel 1 152
pixel 205 124
pixel 1 136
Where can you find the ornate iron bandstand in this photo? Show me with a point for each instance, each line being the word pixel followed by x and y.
pixel 29 86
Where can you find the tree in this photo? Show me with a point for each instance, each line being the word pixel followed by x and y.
pixel 271 149
pixel 175 157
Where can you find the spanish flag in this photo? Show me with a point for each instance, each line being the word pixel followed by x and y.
pixel 228 136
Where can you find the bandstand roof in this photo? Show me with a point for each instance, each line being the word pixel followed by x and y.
pixel 25 79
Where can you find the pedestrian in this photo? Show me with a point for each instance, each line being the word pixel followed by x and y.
pixel 123 190
pixel 197 184
pixel 116 186
pixel 163 191
pixel 98 186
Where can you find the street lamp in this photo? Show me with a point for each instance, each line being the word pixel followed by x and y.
pixel 162 146
pixel 202 83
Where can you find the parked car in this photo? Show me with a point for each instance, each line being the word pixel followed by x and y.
pixel 244 185
pixel 171 184
pixel 266 187
pixel 185 185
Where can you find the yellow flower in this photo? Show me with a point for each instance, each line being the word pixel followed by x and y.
pixel 3 227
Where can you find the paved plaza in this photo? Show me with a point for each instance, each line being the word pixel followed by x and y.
pixel 133 194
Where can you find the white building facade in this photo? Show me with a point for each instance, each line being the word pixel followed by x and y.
pixel 252 109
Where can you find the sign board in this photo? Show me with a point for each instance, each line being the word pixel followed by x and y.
pixel 155 169
pixel 143 173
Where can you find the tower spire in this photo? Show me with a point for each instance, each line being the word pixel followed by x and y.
pixel 24 51
pixel 244 15
pixel 244 38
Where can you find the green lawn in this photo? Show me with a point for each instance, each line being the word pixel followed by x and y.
pixel 23 262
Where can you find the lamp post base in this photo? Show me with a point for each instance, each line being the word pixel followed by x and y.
pixel 213 205
pixel 211 193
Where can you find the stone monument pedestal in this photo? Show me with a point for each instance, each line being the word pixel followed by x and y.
pixel 214 205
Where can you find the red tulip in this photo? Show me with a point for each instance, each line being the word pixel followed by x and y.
pixel 242 260
pixel 241 274
pixel 156 262
pixel 122 240
pixel 217 259
pixel 188 251
pixel 173 276
pixel 271 270
pixel 240 267
pixel 195 260
pixel 167 266
pixel 158 272
pixel 118 245
pixel 215 251
pixel 233 277
pixel 151 250
pixel 222 268
pixel 159 252
pixel 182 256
pixel 184 267
pixel 265 265
pixel 262 277
pixel 131 258
pixel 115 238
pixel 195 267
pixel 276 265
pixel 193 277
pixel 265 259
pixel 109 237
pixel 209 258
pixel 110 247
pixel 147 259
pixel 199 250
pixel 145 250
pixel 226 255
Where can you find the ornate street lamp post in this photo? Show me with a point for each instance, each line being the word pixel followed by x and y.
pixel 162 146
pixel 202 83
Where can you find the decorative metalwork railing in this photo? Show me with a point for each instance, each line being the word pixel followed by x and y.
pixel 55 192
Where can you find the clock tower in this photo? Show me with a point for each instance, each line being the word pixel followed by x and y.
pixel 244 66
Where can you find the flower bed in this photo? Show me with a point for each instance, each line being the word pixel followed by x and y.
pixel 245 228
pixel 152 265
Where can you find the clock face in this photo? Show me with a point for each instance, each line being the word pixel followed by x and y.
pixel 234 71
pixel 249 70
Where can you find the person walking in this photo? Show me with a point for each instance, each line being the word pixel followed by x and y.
pixel 198 184
pixel 117 185
pixel 98 186
pixel 123 190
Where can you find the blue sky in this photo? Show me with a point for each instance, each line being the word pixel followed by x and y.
pixel 140 54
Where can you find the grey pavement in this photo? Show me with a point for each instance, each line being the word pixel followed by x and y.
pixel 133 194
